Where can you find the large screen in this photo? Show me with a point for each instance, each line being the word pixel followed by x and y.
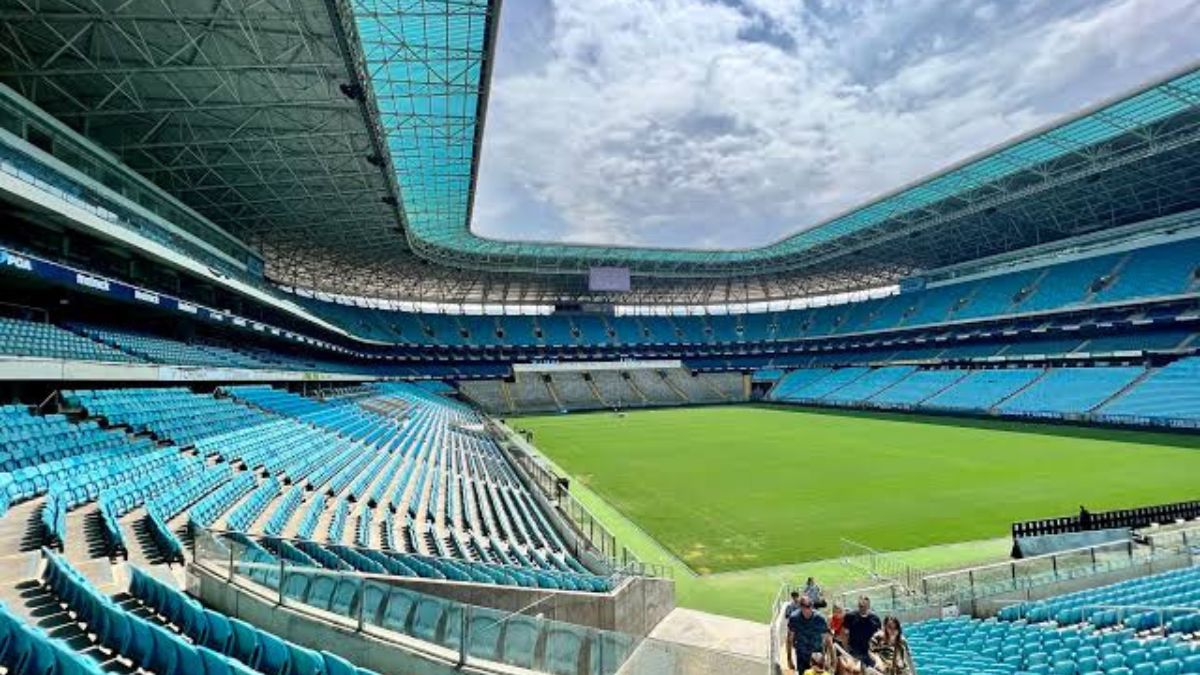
pixel 608 279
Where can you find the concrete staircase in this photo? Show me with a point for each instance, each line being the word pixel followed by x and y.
pixel 633 386
pixel 678 392
pixel 508 399
pixel 553 394
pixel 596 392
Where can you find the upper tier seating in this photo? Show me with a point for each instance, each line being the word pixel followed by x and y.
pixel 29 338
pixel 1068 283
pixel 162 350
pixel 1167 269
pixel 1170 271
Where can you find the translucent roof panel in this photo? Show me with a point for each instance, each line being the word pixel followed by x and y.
pixel 427 63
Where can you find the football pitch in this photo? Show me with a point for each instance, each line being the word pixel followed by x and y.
pixel 741 487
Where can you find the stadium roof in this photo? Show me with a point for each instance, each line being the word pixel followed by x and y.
pixel 341 137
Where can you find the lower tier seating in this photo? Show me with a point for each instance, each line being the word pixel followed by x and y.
pixel 1136 627
pixel 1145 394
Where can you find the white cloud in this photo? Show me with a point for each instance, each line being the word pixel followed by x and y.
pixel 716 124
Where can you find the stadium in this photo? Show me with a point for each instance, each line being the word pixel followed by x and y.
pixel 270 402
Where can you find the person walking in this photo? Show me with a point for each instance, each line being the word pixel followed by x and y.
pixel 792 607
pixel 889 650
pixel 813 592
pixel 808 633
pixel 860 627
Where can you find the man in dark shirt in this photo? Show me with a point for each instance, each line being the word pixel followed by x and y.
pixel 808 631
pixel 860 627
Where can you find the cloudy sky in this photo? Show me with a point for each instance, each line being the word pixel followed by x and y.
pixel 731 123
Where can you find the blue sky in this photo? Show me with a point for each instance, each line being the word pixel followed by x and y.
pixel 732 123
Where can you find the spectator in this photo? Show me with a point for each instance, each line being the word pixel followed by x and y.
pixel 837 617
pixel 860 627
pixel 816 664
pixel 793 606
pixel 812 591
pixel 889 649
pixel 808 632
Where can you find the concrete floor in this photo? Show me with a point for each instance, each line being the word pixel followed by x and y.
pixel 713 631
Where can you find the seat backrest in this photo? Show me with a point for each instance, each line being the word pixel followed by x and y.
pixel 520 641
pixel 220 632
pixel 246 647
pixel 304 661
pixel 345 597
pixel 274 659
pixel 483 639
pixel 427 617
pixel 336 665
pixel 320 592
pixel 562 651
pixel 375 597
pixel 399 608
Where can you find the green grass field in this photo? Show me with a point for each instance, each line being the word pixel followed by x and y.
pixel 743 487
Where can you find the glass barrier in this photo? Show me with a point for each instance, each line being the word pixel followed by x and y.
pixel 940 589
pixel 375 605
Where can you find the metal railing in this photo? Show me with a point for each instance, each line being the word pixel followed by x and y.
pixel 437 628
pixel 880 565
pixel 603 542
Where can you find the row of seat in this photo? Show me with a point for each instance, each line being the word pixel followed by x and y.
pixel 26 649
pixel 233 638
pixel 1177 588
pixel 147 645
pixel 944 646
pixel 1108 393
